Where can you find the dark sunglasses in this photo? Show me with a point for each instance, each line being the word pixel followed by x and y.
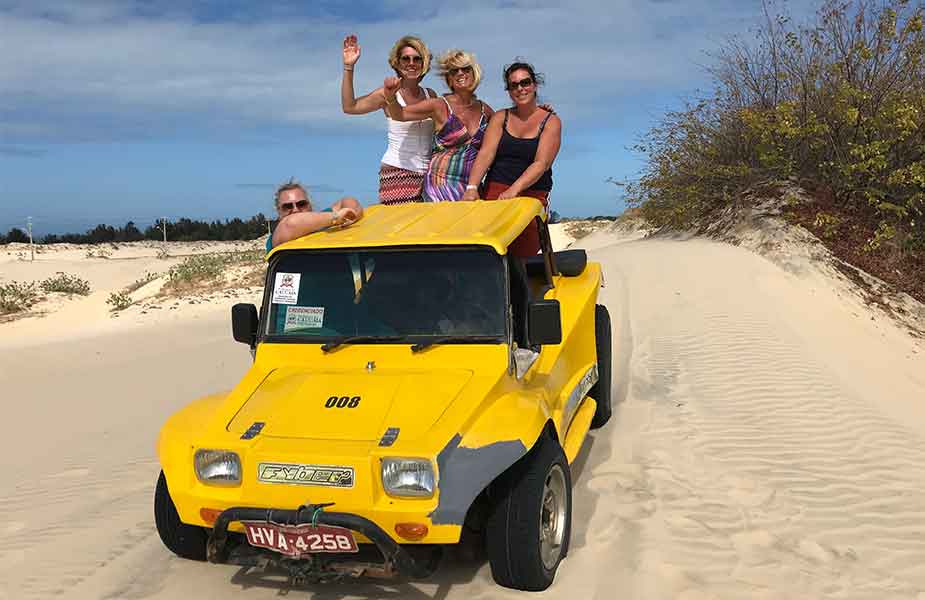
pixel 523 83
pixel 455 70
pixel 300 204
pixel 408 59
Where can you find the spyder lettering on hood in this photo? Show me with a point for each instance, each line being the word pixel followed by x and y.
pixel 305 474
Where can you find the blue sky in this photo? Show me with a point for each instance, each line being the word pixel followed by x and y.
pixel 111 111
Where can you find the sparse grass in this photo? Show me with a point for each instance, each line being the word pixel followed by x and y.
pixel 143 281
pixel 163 254
pixel 66 284
pixel 17 296
pixel 98 253
pixel 119 301
pixel 585 227
pixel 206 269
pixel 255 277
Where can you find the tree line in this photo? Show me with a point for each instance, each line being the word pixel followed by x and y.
pixel 183 230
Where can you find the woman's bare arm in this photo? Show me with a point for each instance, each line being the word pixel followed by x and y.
pixel 432 108
pixel 486 155
pixel 348 100
pixel 371 102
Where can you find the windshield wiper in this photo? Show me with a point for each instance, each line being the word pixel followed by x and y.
pixel 355 339
pixel 474 339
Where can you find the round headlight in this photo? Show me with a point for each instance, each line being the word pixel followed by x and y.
pixel 217 467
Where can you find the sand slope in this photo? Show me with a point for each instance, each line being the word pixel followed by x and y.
pixel 770 443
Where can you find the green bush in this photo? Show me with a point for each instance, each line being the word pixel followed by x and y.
pixel 17 297
pixel 827 224
pixel 839 103
pixel 119 301
pixel 65 283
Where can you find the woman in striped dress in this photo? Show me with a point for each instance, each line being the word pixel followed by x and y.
pixel 460 120
pixel 401 172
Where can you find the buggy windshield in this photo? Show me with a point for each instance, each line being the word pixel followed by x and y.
pixel 397 295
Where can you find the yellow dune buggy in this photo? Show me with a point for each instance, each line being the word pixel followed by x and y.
pixel 413 385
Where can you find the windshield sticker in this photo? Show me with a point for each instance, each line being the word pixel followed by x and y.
pixel 286 288
pixel 303 317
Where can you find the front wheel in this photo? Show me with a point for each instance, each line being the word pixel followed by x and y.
pixel 528 528
pixel 186 541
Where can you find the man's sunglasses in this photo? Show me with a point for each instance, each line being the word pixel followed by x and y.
pixel 408 59
pixel 455 70
pixel 288 206
pixel 523 83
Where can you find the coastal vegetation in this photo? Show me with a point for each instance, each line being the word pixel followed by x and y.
pixel 66 283
pixel 17 296
pixel 20 296
pixel 179 230
pixel 201 270
pixel 836 107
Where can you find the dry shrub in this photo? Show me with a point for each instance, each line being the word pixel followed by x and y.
pixel 17 296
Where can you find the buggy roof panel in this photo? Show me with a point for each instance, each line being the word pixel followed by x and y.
pixel 488 223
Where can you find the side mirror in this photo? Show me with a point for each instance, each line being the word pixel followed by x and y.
pixel 244 323
pixel 544 323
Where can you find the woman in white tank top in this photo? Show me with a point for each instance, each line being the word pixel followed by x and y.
pixel 401 174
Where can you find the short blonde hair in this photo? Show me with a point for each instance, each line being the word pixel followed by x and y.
pixel 457 59
pixel 410 41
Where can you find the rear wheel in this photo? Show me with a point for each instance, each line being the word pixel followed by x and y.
pixel 186 541
pixel 601 390
pixel 530 522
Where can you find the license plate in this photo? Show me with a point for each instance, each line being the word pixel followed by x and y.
pixel 299 540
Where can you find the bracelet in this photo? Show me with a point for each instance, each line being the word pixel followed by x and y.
pixel 472 187
pixel 389 99
pixel 333 219
pixel 348 67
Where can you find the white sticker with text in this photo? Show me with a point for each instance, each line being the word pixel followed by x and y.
pixel 286 288
pixel 303 317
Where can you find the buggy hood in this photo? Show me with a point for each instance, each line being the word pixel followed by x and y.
pixel 353 404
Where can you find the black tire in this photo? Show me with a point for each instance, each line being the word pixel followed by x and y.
pixel 186 541
pixel 601 390
pixel 514 526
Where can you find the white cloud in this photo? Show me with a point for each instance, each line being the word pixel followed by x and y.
pixel 98 70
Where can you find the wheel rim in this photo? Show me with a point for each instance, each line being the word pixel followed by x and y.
pixel 552 517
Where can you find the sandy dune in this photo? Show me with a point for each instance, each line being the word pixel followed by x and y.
pixel 769 443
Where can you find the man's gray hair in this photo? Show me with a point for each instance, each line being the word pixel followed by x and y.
pixel 292 184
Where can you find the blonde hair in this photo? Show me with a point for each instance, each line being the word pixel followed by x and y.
pixel 419 46
pixel 457 59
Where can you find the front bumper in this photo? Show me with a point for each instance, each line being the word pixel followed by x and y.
pixel 396 559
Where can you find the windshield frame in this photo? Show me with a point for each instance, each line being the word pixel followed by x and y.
pixel 263 326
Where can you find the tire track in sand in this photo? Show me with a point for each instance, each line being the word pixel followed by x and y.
pixel 47 554
pixel 758 472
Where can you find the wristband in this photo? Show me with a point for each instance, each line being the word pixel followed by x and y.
pixel 348 67
pixel 472 187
